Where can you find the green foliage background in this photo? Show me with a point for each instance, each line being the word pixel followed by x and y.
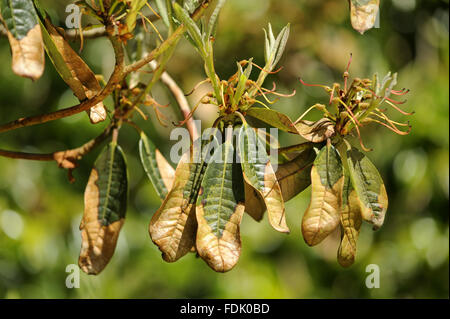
pixel 40 211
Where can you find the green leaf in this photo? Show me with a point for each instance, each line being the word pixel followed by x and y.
pixel 136 6
pixel 243 77
pixel 192 28
pixel 24 35
pixel 158 170
pixel 316 132
pixel 220 207
pixel 72 68
pixel 273 118
pixel 295 176
pixel 214 18
pixel 350 224
pixel 363 14
pixel 105 204
pixel 323 213
pixel 258 172
pixel 369 186
pixel 164 10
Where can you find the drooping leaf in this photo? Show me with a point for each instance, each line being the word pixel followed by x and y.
pixel 220 206
pixel 295 176
pixel 369 186
pixel 322 215
pixel 158 170
pixel 273 118
pixel 172 228
pixel 350 224
pixel 363 14
pixel 72 68
pixel 105 204
pixel 258 172
pixel 24 35
pixel 316 132
pixel 254 203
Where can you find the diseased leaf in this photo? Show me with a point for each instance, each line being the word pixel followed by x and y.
pixel 369 186
pixel 172 228
pixel 294 176
pixel 105 204
pixel 322 215
pixel 24 35
pixel 350 224
pixel 220 206
pixel 72 68
pixel 363 14
pixel 258 173
pixel 273 118
pixel 316 132
pixel 158 170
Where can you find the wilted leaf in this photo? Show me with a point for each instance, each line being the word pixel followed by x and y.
pixel 72 69
pixel 220 207
pixel 294 176
pixel 258 173
pixel 24 35
pixel 363 14
pixel 273 118
pixel 254 203
pixel 105 204
pixel 322 214
pixel 369 186
pixel 316 132
pixel 158 170
pixel 350 224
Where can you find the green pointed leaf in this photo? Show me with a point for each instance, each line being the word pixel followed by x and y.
pixel 71 67
pixel 192 27
pixel 214 18
pixel 273 118
pixel 258 172
pixel 363 14
pixel 323 213
pixel 350 224
pixel 24 34
pixel 158 170
pixel 295 176
pixel 130 20
pixel 317 131
pixel 220 207
pixel 369 186
pixel 105 204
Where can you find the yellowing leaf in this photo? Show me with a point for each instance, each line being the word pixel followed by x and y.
pixel 105 203
pixel 363 14
pixel 322 214
pixel 24 35
pixel 258 172
pixel 350 224
pixel 316 132
pixel 254 203
pixel 369 186
pixel 220 206
pixel 172 228
pixel 72 69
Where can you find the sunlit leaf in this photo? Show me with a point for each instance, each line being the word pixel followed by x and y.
pixel 172 228
pixel 369 186
pixel 220 206
pixel 294 176
pixel 158 170
pixel 363 14
pixel 350 224
pixel 72 68
pixel 273 118
pixel 316 132
pixel 258 173
pixel 105 204
pixel 322 214
pixel 25 38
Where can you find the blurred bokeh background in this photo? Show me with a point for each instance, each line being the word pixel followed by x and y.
pixel 40 210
